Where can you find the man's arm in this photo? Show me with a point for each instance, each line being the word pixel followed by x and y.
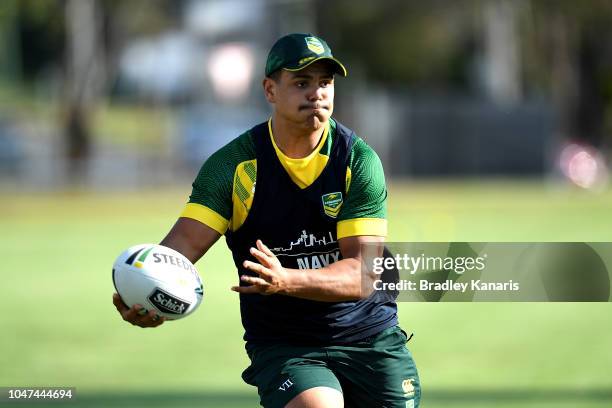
pixel 189 237
pixel 339 281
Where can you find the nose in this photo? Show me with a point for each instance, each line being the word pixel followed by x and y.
pixel 317 94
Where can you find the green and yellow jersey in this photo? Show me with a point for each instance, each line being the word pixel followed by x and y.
pixel 223 191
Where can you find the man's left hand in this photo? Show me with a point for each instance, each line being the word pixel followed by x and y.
pixel 271 274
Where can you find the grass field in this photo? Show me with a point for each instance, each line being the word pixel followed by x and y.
pixel 59 327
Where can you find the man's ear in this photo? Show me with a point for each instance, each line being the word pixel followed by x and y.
pixel 269 86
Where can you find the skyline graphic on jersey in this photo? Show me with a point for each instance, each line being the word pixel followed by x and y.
pixel 306 240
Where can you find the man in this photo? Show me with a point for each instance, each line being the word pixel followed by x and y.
pixel 297 197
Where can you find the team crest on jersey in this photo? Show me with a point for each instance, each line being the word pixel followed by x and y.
pixel 332 202
pixel 314 45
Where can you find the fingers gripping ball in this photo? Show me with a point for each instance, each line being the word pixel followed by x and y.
pixel 158 278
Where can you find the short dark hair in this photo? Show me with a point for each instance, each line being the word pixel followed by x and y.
pixel 275 76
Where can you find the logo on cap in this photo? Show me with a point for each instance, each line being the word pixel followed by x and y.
pixel 314 45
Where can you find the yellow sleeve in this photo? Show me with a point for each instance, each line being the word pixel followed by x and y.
pixel 206 216
pixel 362 226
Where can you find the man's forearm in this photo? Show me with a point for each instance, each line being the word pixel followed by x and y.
pixel 191 238
pixel 339 281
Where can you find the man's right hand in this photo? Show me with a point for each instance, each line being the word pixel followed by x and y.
pixel 133 315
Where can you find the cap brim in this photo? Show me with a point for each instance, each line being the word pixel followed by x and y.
pixel 340 69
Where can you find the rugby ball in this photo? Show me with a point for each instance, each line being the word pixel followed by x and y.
pixel 158 278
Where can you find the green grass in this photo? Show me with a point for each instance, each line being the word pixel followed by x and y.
pixel 59 327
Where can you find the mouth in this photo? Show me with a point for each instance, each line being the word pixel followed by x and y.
pixel 313 107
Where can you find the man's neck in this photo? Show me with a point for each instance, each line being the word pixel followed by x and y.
pixel 294 141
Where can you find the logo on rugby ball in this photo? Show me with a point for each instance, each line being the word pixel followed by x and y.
pixel 167 303
pixel 140 261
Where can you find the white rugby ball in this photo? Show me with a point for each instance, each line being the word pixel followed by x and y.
pixel 158 278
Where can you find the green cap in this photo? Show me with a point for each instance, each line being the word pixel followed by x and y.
pixel 294 52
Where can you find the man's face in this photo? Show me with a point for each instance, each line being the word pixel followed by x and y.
pixel 304 97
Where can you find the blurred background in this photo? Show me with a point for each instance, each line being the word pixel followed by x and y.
pixel 108 93
pixel 493 120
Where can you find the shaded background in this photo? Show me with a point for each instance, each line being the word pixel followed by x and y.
pixel 492 119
